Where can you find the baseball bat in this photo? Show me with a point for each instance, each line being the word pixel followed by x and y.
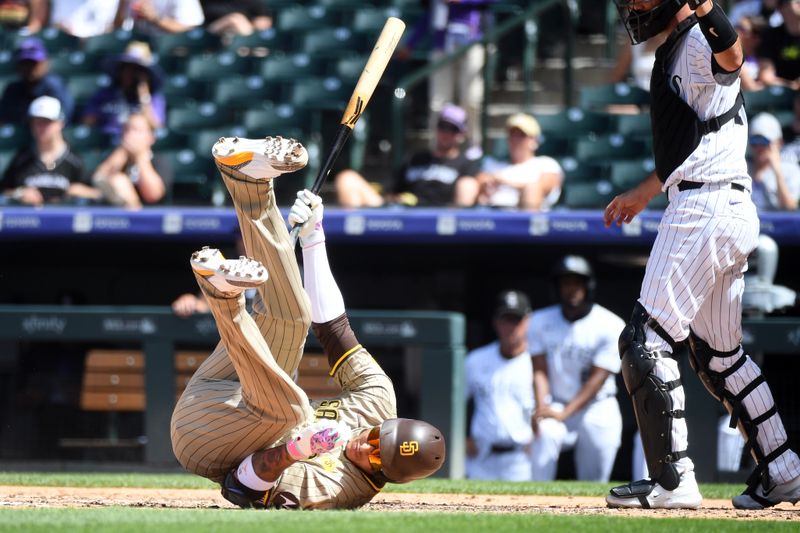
pixel 367 81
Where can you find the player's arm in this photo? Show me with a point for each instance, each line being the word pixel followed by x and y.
pixel 720 34
pixel 328 316
pixel 541 387
pixel 364 378
pixel 323 436
pixel 593 384
pixel 624 207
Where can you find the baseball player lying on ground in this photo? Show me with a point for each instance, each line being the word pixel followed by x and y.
pixel 242 421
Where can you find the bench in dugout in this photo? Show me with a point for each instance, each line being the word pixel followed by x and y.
pixel 114 382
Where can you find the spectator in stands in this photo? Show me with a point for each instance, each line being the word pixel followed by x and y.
pixel 573 346
pixel 776 180
pixel 135 88
pixel 34 81
pixel 749 30
pixel 635 63
pixel 83 18
pixel 152 17
pixel 189 304
pixel 47 172
pixel 498 383
pixel 428 179
pixel 766 10
pixel 28 16
pixel 528 181
pixel 239 17
pixel 130 176
pixel 777 53
pixel 452 24
pixel 791 133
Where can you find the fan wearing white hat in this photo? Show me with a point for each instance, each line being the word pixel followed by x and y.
pixel 528 181
pixel 776 180
pixel 47 171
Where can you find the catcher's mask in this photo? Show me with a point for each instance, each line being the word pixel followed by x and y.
pixel 643 24
pixel 405 449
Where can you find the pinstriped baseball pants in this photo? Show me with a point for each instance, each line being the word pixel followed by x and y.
pixel 243 398
pixel 695 279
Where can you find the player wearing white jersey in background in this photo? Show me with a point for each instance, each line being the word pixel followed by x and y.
pixel 499 380
pixel 692 289
pixel 575 362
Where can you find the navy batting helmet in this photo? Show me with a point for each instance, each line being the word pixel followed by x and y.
pixel 642 24
pixel 576 265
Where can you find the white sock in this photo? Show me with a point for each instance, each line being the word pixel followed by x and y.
pixel 246 474
pixel 326 298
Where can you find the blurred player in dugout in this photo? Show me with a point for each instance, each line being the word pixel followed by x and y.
pixel 575 361
pixel 499 391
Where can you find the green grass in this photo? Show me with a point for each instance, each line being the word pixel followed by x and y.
pixel 131 519
pixel 123 520
pixel 442 486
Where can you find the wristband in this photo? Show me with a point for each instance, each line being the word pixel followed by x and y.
pixel 694 4
pixel 294 453
pixel 718 30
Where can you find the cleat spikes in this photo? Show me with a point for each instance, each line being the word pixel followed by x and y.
pixel 260 159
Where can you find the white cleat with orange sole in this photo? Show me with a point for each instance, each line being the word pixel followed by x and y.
pixel 230 276
pixel 260 159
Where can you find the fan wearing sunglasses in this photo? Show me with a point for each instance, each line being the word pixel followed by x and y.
pixel 776 178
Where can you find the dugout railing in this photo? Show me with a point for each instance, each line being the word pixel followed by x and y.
pixel 432 341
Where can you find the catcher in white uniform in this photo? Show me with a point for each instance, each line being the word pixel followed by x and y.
pixel 692 289
pixel 575 362
pixel 498 380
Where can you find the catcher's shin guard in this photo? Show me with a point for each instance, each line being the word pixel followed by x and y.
pixel 700 357
pixel 652 403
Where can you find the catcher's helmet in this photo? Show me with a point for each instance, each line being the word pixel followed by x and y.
pixel 577 266
pixel 410 449
pixel 644 24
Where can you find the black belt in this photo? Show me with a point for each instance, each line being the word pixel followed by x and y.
pixel 505 448
pixel 686 185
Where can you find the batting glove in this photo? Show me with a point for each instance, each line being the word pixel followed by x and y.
pixel 323 436
pixel 307 211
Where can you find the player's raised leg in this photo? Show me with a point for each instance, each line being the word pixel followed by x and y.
pixel 220 419
pixel 248 168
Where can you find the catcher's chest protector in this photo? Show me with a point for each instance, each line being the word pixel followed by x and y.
pixel 677 130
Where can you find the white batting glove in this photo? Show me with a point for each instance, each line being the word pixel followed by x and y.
pixel 308 211
pixel 323 436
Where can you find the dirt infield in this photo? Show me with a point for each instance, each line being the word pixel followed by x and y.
pixel 19 497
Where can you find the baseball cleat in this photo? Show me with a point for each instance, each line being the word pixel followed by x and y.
pixel 238 494
pixel 260 158
pixel 230 276
pixel 647 494
pixel 759 498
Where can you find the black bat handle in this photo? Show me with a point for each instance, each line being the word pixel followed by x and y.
pixel 342 134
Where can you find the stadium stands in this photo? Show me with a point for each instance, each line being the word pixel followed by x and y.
pixel 283 79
